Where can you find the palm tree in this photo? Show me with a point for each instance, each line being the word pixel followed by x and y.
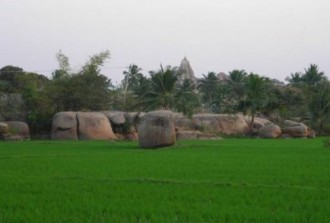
pixel 161 94
pixel 236 82
pixel 130 80
pixel 223 100
pixel 294 78
pixel 255 96
pixel 186 97
pixel 237 76
pixel 319 105
pixel 312 75
pixel 208 86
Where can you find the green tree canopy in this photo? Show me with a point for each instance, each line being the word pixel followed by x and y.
pixel 207 87
pixel 9 78
pixel 161 94
pixel 86 90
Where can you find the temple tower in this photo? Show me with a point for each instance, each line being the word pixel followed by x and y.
pixel 186 71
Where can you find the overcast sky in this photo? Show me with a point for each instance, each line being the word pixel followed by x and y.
pixel 270 37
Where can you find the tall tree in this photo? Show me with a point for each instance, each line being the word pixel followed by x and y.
pixel 295 79
pixel 9 79
pixel 237 76
pixel 64 66
pixel 86 90
pixel 319 106
pixel 237 84
pixel 207 87
pixel 312 75
pixel 223 101
pixel 162 89
pixel 38 107
pixel 186 98
pixel 130 81
pixel 255 97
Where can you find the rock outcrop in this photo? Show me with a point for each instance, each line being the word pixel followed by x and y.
pixel 157 129
pixel 269 131
pixel 295 129
pixel 94 125
pixel 257 123
pixel 162 128
pixel 14 130
pixel 3 130
pixel 183 123
pixel 221 123
pixel 81 125
pixel 64 126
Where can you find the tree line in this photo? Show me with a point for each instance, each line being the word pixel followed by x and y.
pixel 305 96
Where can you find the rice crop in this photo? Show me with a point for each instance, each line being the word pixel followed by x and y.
pixel 231 180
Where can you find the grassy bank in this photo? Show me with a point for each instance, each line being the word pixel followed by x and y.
pixel 233 180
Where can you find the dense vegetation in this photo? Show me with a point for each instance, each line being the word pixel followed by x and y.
pixel 244 180
pixel 307 94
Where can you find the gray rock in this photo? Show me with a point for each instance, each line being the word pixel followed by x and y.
pixel 295 129
pixel 64 126
pixel 221 123
pixel 157 130
pixel 3 128
pixel 19 129
pixel 118 118
pixel 183 123
pixel 94 126
pixel 269 131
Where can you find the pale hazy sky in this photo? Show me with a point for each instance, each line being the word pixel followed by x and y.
pixel 269 37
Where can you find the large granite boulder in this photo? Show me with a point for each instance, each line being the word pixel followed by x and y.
pixel 182 122
pixel 221 123
pixel 257 122
pixel 118 118
pixel 64 126
pixel 3 130
pixel 115 117
pixel 94 125
pixel 17 131
pixel 156 129
pixel 269 131
pixel 295 129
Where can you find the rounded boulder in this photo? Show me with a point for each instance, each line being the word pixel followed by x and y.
pixel 18 129
pixel 64 126
pixel 295 129
pixel 157 129
pixel 269 131
pixel 94 126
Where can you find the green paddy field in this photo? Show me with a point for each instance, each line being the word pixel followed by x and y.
pixel 232 180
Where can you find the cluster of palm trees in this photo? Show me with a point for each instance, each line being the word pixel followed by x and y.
pixel 161 91
pixel 307 94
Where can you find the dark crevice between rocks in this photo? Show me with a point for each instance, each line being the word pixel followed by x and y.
pixel 77 129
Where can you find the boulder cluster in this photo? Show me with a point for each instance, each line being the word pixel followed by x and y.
pixel 14 131
pixel 157 128
pixel 92 126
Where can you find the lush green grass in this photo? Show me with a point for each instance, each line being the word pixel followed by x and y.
pixel 233 180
